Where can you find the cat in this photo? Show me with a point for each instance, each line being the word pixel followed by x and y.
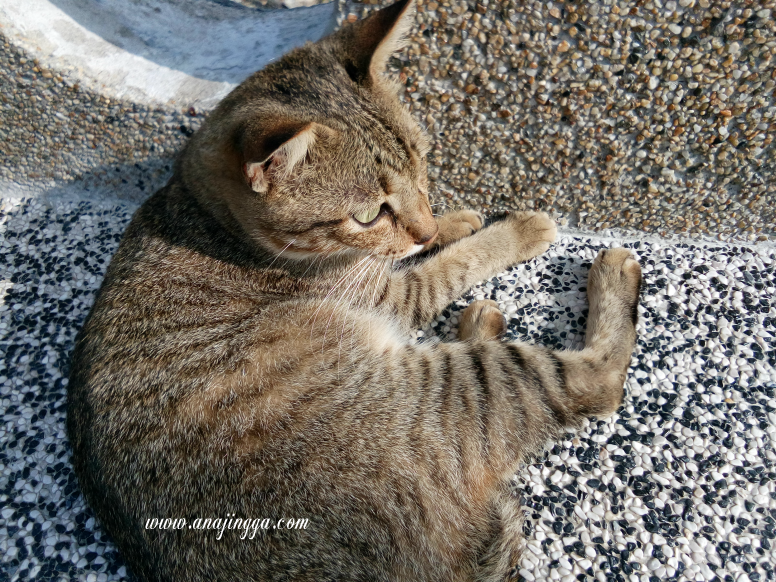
pixel 248 357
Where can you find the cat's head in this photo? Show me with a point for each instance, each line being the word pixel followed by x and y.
pixel 315 153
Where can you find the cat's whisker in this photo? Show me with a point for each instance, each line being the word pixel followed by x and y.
pixel 346 275
pixel 353 295
pixel 364 291
pixel 280 253
pixel 378 275
pixel 359 279
pixel 347 293
pixel 310 266
pixel 356 280
pixel 325 300
pixel 323 253
pixel 381 272
pixel 337 284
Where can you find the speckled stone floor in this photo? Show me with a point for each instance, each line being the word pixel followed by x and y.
pixel 681 483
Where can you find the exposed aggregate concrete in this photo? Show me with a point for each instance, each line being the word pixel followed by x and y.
pixel 52 131
pixel 678 485
pixel 655 116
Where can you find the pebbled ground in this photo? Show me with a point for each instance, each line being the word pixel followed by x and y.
pixel 680 484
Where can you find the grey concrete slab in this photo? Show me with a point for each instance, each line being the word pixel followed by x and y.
pixel 180 52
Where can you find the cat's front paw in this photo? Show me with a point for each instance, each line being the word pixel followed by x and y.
pixel 534 231
pixel 456 225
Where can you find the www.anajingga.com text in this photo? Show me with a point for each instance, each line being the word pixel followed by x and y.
pixel 249 527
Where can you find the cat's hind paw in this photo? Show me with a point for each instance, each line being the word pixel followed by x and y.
pixel 482 320
pixel 615 279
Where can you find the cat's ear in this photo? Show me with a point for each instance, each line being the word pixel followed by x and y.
pixel 369 44
pixel 274 152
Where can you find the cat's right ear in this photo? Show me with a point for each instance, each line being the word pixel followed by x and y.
pixel 369 43
pixel 273 152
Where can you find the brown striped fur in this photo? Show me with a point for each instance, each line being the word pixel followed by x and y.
pixel 248 351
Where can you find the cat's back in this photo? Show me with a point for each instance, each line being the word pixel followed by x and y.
pixel 165 371
pixel 183 301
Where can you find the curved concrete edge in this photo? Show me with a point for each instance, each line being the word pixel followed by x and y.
pixel 175 52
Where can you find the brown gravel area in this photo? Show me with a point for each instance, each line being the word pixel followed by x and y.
pixel 651 116
pixel 53 131
pixel 657 117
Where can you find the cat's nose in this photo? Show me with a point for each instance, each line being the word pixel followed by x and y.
pixel 427 239
pixel 424 236
pixel 421 224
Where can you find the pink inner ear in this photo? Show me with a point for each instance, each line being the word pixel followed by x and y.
pixel 254 172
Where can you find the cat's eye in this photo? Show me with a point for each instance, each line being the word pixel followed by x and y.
pixel 364 218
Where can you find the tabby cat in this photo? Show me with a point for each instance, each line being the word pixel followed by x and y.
pixel 248 354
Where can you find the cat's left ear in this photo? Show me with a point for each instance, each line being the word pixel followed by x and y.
pixel 272 152
pixel 369 44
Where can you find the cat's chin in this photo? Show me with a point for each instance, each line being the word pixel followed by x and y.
pixel 414 251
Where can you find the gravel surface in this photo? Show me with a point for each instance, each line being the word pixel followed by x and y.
pixel 678 485
pixel 54 132
pixel 654 116
pixel 659 118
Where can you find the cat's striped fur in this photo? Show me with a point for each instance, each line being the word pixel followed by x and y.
pixel 248 352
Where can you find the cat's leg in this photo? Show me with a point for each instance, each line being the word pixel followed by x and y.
pixel 418 294
pixel 456 225
pixel 596 375
pixel 456 418
pixel 482 320
pixel 590 382
pixel 501 560
pixel 572 385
